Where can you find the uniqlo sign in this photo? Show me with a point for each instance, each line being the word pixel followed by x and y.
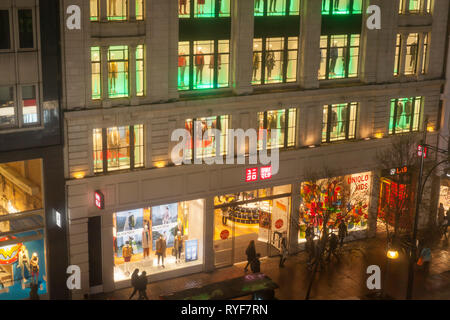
pixel 99 200
pixel 266 173
pixel 251 174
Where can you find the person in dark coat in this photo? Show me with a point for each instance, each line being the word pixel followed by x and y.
pixel 251 254
pixel 284 252
pixel 342 232
pixel 134 282
pixel 256 264
pixel 333 242
pixel 142 286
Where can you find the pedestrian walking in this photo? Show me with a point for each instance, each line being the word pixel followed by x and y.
pixel 142 286
pixel 333 244
pixel 284 252
pixel 343 232
pixel 134 282
pixel 255 266
pixel 251 254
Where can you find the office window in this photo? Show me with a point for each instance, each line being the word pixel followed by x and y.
pixel 140 76
pixel 339 122
pixel 398 46
pixel 7 107
pixel 339 56
pixel 203 8
pixel 117 10
pixel 29 105
pixel 282 122
pixel 425 54
pixel 205 147
pixel 96 73
pixel 118 71
pixel 412 50
pixel 339 7
pixel 26 40
pixel 140 9
pixel 405 115
pixel 277 7
pixel 275 60
pixel 5 36
pixel 94 10
pixel 118 148
pixel 203 64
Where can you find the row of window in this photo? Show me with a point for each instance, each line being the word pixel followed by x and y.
pixel 119 148
pixel 25 34
pixel 117 10
pixel 415 6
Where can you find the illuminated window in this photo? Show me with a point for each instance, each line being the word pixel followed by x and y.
pixel 140 9
pixel 203 8
pixel 412 50
pixel 118 71
pixel 94 10
pixel 410 54
pixel 336 7
pixel 7 107
pixel 197 67
pixel 117 10
pixel 275 60
pixel 415 6
pixel 339 56
pixel 118 148
pixel 425 54
pixel 96 73
pixel 140 77
pixel 30 110
pixel 405 115
pixel 277 7
pixel 398 46
pixel 339 122
pixel 205 146
pixel 281 124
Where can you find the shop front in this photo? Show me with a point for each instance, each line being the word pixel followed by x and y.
pixel 260 215
pixel 444 194
pixel 342 199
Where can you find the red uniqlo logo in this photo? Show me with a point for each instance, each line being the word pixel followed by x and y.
pixel 421 149
pixel 251 175
pixel 266 173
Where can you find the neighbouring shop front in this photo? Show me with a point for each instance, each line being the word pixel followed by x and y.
pixel 342 199
pixel 444 194
pixel 260 215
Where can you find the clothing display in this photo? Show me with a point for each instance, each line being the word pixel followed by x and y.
pixel 113 74
pixel 112 7
pixel 146 240
pixel 182 67
pixel 408 109
pixel 212 60
pixel 343 119
pixel 270 63
pixel 336 5
pixel 334 54
pixel 199 64
pixel 273 6
pixel 113 145
pixel 201 6
pixel 182 4
pixel 413 53
pixel 255 64
pixel 178 245
pixel 34 263
pixel 257 5
pixel 24 262
pixel 161 249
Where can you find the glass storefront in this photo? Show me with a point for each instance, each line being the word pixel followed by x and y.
pixel 444 194
pixel 260 215
pixel 343 198
pixel 158 239
pixel 22 248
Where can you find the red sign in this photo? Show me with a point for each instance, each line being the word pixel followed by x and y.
pixel 266 172
pixel 421 149
pixel 279 224
pixel 251 174
pixel 224 234
pixel 99 199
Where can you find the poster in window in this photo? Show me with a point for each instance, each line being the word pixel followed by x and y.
pixel 164 222
pixel 191 251
pixel 129 228
pixel 279 220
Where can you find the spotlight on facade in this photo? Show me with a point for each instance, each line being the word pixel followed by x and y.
pixel 160 164
pixel 392 254
pixel 430 129
pixel 79 175
pixel 379 135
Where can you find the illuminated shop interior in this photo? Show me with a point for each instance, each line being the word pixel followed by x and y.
pixel 260 215
pixel 341 7
pixel 280 126
pixel 277 7
pixel 142 228
pixel 203 8
pixel 405 115
pixel 339 122
pixel 22 250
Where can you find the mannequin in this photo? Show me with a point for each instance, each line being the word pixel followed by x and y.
pixel 343 119
pixel 113 72
pixel 413 53
pixel 399 113
pixel 334 53
pixel 178 244
pixel 212 62
pixel 255 64
pixel 161 249
pixel 146 241
pixel 201 6
pixel 34 263
pixel 273 6
pixel 24 262
pixel 182 3
pixel 333 121
pixel 182 66
pixel 127 254
pixel 344 59
pixel 199 64
pixel 408 109
pixel 112 7
pixel 270 63
pixel 113 145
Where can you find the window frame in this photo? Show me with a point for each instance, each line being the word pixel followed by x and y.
pixel 286 128
pixel 17 29
pixel 413 113
pixel 287 11
pixel 10 29
pixel 126 62
pixel 330 11
pixel 347 122
pixel 191 4
pixel 15 100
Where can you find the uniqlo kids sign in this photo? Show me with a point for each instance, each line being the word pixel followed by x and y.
pixel 99 199
pixel 251 174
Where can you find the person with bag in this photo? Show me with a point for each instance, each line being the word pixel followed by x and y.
pixel 251 254
pixel 142 286
pixel 134 282
pixel 342 233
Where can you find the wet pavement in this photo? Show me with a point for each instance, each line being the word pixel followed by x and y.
pixel 344 279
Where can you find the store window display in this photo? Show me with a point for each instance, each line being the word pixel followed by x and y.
pixel 7 107
pixel 117 10
pixel 123 149
pixel 277 7
pixel 203 8
pixel 415 6
pixel 118 72
pixel 96 73
pixel 412 50
pixel 338 199
pixel 158 239
pixel 22 254
pixel 207 144
pixel 339 56
pixel 203 64
pixel 94 9
pixel 341 7
pixel 275 60
pixel 282 123
pixel 405 115
pixel 140 73
pixel 339 122
pixel 260 215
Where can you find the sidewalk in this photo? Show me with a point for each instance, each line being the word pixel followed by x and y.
pixel 339 280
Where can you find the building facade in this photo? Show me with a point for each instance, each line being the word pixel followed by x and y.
pixel 334 91
pixel 33 247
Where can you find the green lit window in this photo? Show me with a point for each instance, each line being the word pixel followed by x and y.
pixel 96 73
pixel 203 8
pixel 415 6
pixel 425 54
pixel 339 56
pixel 118 71
pixel 203 64
pixel 339 122
pixel 94 10
pixel 277 7
pixel 205 146
pixel 336 7
pixel 412 50
pixel 405 115
pixel 140 9
pixel 281 124
pixel 398 46
pixel 140 77
pixel 118 148
pixel 117 10
pixel 274 60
